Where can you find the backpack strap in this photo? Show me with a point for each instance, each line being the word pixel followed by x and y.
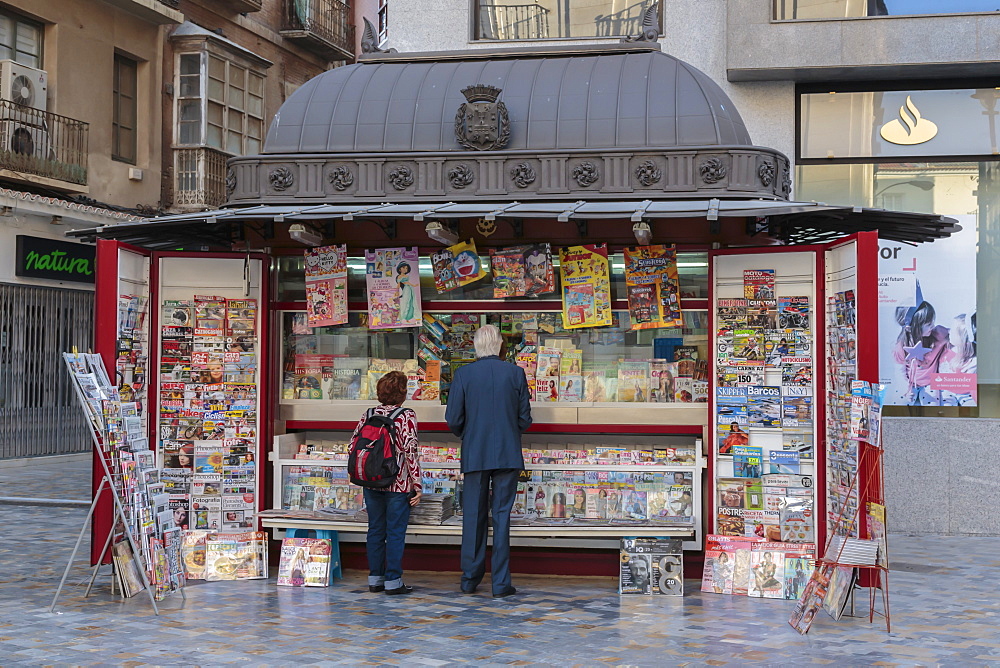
pixel 392 419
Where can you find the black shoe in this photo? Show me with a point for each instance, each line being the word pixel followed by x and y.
pixel 399 590
pixel 375 589
pixel 509 591
pixel 468 590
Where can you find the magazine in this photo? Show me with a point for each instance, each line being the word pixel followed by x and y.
pixel 839 590
pixel 508 269
pixel 747 461
pixel 764 407
pixel 731 406
pixel 767 571
pixel 798 440
pixel 797 520
pixel 742 561
pixel 661 380
pixel 732 313
pixel 305 562
pixel 633 380
pixel 876 531
pixel 193 553
pixel 758 283
pixel 571 388
pixel 235 556
pixel 796 412
pixel 811 599
pixel 539 274
pixel 748 344
pixel 798 565
pixel 782 461
pixel 127 568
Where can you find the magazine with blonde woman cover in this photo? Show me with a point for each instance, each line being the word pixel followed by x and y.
pixel 305 562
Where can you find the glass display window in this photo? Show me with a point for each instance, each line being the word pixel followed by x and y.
pixel 692 268
pixel 583 480
pixel 606 364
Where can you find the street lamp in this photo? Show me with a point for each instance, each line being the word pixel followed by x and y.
pixel 923 185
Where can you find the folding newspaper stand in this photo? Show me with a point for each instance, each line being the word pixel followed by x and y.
pixel 413 180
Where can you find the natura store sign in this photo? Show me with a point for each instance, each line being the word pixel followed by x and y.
pixel 38 257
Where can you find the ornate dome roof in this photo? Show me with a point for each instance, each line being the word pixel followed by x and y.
pixel 618 96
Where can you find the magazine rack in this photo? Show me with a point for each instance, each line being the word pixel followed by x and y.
pixel 113 479
pixel 870 487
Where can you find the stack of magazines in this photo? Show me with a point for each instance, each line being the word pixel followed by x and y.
pixel 433 509
pixel 854 551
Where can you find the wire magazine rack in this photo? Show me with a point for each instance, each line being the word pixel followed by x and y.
pixel 870 487
pixel 129 475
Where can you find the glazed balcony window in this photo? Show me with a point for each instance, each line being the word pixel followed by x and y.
pixel 220 113
pixel 791 10
pixel 508 20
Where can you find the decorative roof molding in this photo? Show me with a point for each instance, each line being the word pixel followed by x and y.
pixel 188 31
pixel 13 197
pixel 650 26
pixel 503 176
pixel 369 40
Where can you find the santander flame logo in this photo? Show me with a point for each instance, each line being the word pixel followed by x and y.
pixel 910 128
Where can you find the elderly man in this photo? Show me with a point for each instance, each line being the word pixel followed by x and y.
pixel 489 409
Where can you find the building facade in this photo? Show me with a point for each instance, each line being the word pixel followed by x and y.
pixel 111 110
pixel 878 104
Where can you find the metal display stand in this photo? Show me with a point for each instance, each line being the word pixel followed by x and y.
pixel 89 369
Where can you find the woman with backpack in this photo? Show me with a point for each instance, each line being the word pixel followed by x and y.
pixel 385 461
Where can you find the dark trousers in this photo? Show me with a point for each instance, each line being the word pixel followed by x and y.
pixel 476 503
pixel 388 515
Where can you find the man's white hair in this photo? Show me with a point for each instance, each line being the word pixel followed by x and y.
pixel 487 341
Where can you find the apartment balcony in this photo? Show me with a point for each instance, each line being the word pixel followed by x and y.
pixel 780 40
pixel 323 26
pixel 199 178
pixel 158 12
pixel 42 148
pixel 240 6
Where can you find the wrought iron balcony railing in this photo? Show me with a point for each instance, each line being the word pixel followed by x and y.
pixel 41 143
pixel 627 21
pixel 513 22
pixel 326 26
pixel 199 178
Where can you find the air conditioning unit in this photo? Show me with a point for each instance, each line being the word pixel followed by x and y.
pixel 26 88
pixel 23 140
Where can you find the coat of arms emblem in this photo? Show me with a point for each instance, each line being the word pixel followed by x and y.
pixel 482 123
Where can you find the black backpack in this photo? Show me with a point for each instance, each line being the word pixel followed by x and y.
pixel 372 461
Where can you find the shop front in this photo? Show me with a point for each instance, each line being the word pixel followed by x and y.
pixel 607 210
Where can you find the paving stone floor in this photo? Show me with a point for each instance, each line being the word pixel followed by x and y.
pixel 945 612
pixel 63 479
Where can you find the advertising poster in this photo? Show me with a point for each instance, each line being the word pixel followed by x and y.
pixel 326 285
pixel 653 286
pixel 586 287
pixel 393 281
pixel 522 271
pixel 927 320
pixel 456 266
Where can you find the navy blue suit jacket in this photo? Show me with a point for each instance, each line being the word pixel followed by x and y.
pixel 489 408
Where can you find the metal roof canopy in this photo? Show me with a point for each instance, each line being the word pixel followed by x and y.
pixel 791 222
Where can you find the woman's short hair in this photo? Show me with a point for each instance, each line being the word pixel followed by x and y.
pixel 391 388
pixel 487 341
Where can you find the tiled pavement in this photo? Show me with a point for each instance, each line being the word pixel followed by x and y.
pixel 945 612
pixel 65 479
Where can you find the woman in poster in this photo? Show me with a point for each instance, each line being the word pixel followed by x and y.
pixel 961 357
pixel 407 297
pixel 919 348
